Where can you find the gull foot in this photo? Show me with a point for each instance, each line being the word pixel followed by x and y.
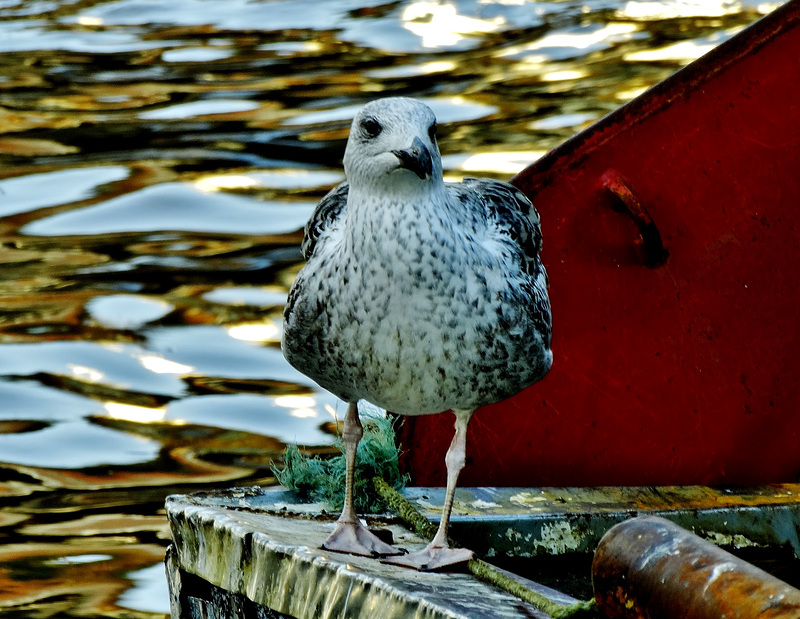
pixel 355 539
pixel 431 558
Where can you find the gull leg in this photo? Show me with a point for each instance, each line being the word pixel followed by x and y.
pixel 438 554
pixel 350 535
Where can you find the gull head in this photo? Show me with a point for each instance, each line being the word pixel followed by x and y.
pixel 393 143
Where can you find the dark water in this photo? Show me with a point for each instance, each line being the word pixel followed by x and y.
pixel 158 159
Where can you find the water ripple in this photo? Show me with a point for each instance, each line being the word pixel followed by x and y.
pixel 160 158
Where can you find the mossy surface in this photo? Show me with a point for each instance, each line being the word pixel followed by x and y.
pixel 324 479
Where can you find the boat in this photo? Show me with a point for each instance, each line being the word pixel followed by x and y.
pixel 671 241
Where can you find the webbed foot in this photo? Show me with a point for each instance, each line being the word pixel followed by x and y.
pixel 431 558
pixel 355 539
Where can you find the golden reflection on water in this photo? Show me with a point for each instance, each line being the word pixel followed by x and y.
pixel 75 577
pixel 139 414
pixel 159 161
pixel 261 332
pixel 438 24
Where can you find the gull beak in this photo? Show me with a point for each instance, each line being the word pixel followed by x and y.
pixel 417 159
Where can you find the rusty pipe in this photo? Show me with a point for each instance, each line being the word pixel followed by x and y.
pixel 650 568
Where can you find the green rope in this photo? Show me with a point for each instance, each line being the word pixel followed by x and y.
pixel 479 568
pixel 407 512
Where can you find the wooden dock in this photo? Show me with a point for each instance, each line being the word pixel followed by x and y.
pixel 254 553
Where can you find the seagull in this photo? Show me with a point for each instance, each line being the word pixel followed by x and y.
pixel 418 296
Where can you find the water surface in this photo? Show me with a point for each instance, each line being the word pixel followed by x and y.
pixel 159 159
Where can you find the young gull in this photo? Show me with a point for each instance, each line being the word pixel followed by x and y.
pixel 418 296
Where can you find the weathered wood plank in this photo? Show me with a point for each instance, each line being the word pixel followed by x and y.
pixel 529 522
pixel 263 546
pixel 235 542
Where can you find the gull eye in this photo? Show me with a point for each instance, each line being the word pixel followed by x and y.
pixel 432 132
pixel 371 128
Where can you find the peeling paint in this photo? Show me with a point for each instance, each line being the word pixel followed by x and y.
pixel 480 504
pixel 525 498
pixel 737 540
pixel 558 538
pixel 512 535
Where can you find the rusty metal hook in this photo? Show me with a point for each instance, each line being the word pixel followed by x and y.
pixel 626 202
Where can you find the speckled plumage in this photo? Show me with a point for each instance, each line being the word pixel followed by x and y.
pixel 418 296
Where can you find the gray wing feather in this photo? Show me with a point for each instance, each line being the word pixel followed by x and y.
pixel 320 228
pixel 516 222
pixel 513 216
pixel 325 219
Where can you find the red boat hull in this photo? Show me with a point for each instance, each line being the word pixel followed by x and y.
pixel 672 240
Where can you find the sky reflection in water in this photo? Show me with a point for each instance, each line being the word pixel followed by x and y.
pixel 160 158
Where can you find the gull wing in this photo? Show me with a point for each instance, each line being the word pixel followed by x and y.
pixel 325 220
pixel 512 216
